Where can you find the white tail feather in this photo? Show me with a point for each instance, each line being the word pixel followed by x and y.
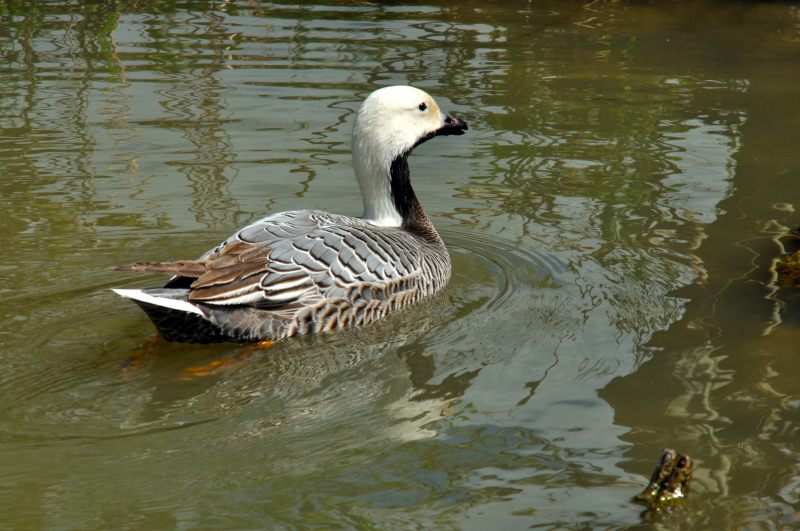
pixel 173 304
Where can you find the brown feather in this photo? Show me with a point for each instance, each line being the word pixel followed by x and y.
pixel 184 268
pixel 230 270
pixel 238 271
pixel 219 293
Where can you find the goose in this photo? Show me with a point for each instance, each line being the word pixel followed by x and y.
pixel 308 271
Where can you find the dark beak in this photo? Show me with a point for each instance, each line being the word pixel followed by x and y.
pixel 452 126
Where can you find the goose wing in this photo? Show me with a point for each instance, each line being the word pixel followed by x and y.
pixel 297 257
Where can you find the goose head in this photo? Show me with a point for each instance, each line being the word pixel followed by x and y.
pixel 391 122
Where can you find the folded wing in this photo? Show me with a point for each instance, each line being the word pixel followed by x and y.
pixel 294 257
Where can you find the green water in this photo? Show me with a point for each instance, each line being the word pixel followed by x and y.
pixel 612 215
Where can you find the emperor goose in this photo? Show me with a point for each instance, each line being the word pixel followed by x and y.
pixel 306 271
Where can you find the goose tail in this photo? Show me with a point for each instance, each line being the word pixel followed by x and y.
pixel 174 316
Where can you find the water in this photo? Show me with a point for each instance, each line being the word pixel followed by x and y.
pixel 612 215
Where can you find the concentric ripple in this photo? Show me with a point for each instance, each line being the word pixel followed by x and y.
pixel 127 385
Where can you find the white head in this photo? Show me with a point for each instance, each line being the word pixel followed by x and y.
pixel 389 124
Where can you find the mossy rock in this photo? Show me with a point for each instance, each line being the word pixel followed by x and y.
pixel 788 269
pixel 669 483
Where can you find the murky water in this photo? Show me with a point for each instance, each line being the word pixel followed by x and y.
pixel 612 217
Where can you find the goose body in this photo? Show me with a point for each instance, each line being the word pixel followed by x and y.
pixel 305 271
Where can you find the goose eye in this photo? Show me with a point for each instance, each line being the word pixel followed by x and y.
pixel 422 106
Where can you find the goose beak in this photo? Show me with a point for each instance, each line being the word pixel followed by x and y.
pixel 452 126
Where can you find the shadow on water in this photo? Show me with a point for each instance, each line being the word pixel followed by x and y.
pixel 721 379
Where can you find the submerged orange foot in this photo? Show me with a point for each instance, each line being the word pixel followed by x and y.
pixel 133 363
pixel 225 362
pixel 213 366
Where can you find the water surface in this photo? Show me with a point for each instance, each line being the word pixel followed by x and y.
pixel 613 216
